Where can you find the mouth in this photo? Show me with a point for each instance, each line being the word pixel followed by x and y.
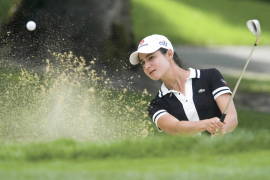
pixel 152 71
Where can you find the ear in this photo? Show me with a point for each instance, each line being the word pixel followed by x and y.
pixel 170 53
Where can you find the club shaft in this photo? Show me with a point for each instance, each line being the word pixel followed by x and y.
pixel 238 82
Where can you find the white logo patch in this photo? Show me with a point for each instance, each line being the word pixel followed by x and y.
pixel 201 91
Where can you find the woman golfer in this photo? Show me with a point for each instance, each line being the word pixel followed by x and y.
pixel 189 101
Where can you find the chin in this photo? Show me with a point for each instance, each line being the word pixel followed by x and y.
pixel 155 78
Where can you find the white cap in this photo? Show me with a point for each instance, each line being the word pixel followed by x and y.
pixel 150 44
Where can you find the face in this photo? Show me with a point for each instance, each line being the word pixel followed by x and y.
pixel 155 65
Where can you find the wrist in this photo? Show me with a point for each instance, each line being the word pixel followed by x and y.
pixel 202 125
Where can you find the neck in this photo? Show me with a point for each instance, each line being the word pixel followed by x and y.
pixel 175 78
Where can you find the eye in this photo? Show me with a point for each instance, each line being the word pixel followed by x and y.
pixel 142 63
pixel 150 57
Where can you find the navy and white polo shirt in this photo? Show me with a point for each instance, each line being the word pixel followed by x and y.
pixel 201 89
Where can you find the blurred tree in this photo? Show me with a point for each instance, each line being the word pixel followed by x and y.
pixel 89 28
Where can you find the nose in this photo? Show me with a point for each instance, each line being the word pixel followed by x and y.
pixel 147 65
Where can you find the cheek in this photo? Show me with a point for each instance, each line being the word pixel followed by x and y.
pixel 145 72
pixel 164 65
pixel 160 63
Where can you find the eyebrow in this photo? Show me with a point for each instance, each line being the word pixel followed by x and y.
pixel 149 54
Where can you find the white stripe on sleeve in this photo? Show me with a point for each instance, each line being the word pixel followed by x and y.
pixel 157 115
pixel 222 92
pixel 220 89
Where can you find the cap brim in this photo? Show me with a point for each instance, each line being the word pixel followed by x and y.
pixel 133 58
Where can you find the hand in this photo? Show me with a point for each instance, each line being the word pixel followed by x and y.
pixel 213 125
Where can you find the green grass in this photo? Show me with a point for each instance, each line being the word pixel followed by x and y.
pixel 251 135
pixel 244 155
pixel 253 121
pixel 250 85
pixel 207 22
pixel 7 9
pixel 244 166
pixel 162 146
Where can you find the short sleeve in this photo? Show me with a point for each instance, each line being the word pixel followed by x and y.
pixel 218 84
pixel 156 109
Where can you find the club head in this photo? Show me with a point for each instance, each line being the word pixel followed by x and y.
pixel 254 27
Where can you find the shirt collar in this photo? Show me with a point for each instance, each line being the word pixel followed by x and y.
pixel 194 73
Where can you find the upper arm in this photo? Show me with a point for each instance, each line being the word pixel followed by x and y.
pixel 163 120
pixel 157 109
pixel 217 84
pixel 222 94
pixel 220 90
pixel 167 123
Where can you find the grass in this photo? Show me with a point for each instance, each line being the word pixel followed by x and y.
pixel 251 135
pixel 244 155
pixel 249 85
pixel 7 9
pixel 234 166
pixel 253 121
pixel 162 146
pixel 208 22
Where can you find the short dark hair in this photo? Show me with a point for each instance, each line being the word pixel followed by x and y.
pixel 176 58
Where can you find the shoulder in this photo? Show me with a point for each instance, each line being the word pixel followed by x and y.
pixel 215 81
pixel 211 75
pixel 158 99
pixel 209 72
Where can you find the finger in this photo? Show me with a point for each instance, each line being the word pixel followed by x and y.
pixel 216 131
pixel 219 124
pixel 211 130
pixel 216 125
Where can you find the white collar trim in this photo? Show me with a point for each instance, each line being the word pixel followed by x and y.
pixel 194 73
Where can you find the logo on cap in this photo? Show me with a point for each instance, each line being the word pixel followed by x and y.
pixel 163 43
pixel 141 44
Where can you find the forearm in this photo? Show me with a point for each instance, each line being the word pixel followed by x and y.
pixel 189 127
pixel 231 123
pixel 171 125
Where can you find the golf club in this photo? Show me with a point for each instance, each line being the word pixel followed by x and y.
pixel 254 27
